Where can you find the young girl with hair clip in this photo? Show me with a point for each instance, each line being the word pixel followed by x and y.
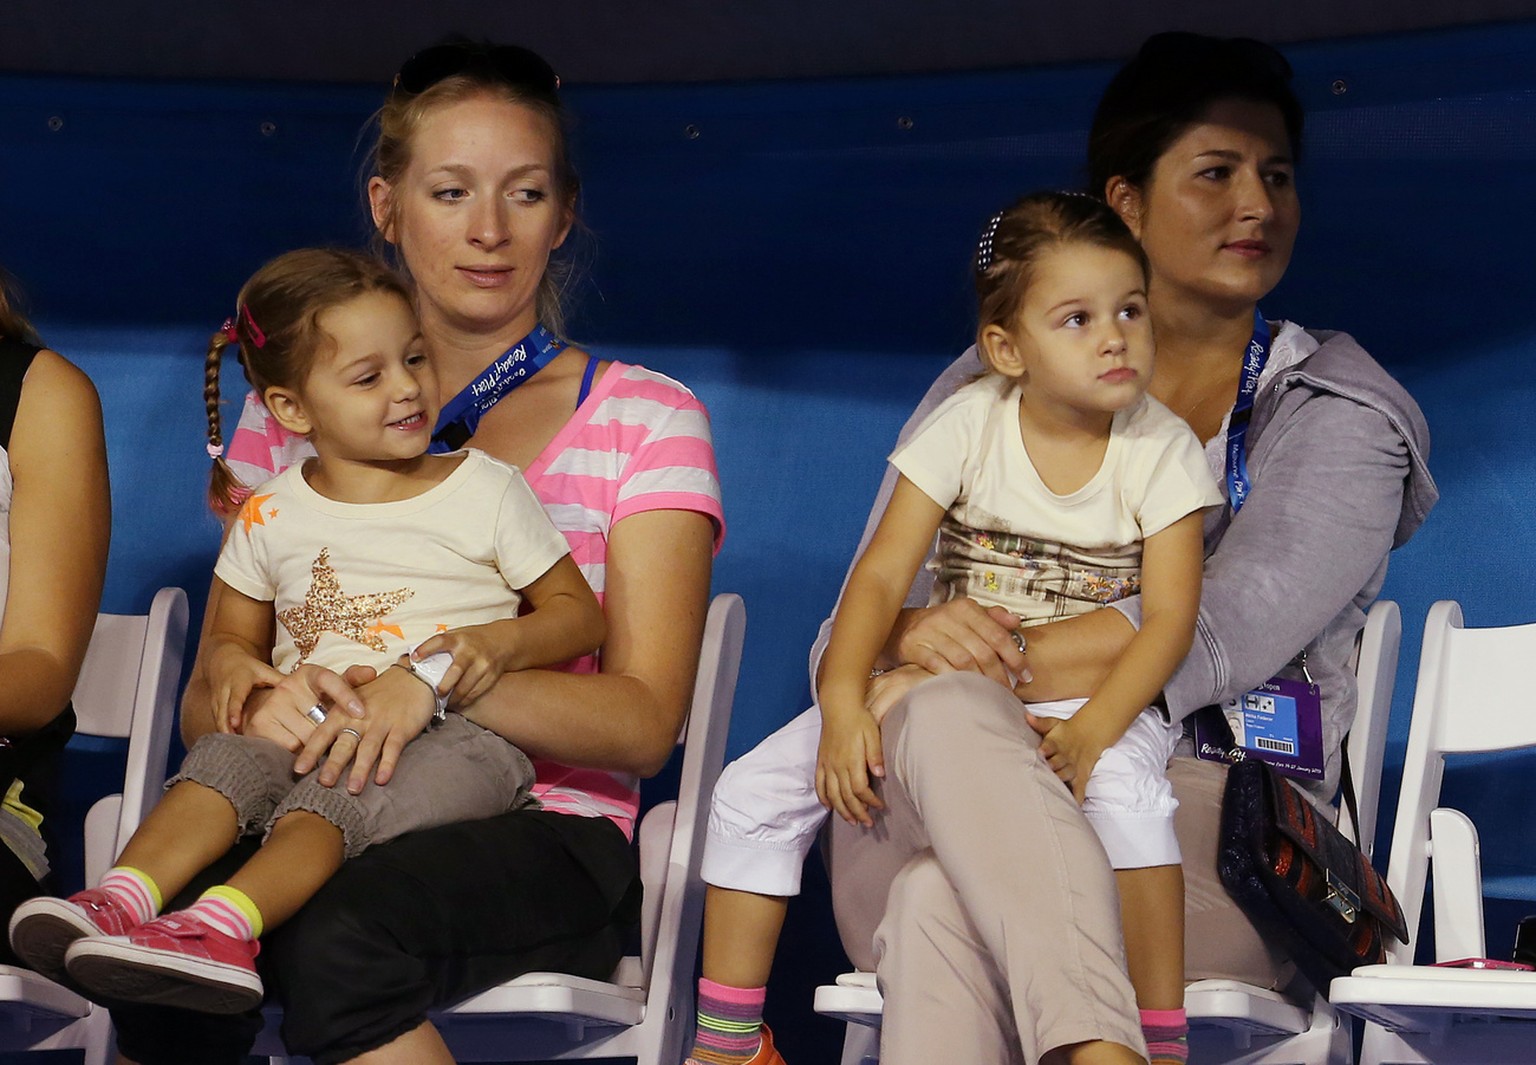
pixel 1054 485
pixel 373 551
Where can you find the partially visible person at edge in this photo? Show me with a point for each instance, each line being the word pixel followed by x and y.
pixel 473 189
pixel 1195 144
pixel 55 520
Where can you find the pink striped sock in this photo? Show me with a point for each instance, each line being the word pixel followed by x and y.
pixel 221 914
pixel 1167 1035
pixel 730 1022
pixel 134 889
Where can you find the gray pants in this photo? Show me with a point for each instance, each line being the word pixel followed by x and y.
pixel 455 772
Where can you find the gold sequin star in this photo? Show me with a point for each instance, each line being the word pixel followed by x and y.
pixel 327 609
pixel 250 512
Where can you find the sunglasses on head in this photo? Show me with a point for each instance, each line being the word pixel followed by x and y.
pixel 505 62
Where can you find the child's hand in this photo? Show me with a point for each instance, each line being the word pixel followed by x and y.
pixel 232 676
pixel 1072 748
pixel 480 656
pixel 850 754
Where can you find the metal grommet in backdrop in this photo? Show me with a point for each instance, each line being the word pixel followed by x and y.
pixel 55 122
pixel 268 128
pixel 904 122
pixel 692 132
pixel 1339 87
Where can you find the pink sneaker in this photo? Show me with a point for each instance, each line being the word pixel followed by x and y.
pixel 174 960
pixel 42 929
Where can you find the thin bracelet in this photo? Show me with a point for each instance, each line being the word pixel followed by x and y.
pixel 414 676
pixel 408 671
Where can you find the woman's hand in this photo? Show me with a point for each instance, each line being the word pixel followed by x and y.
pixel 887 689
pixel 957 636
pixel 281 713
pixel 399 708
pixel 1071 748
pixel 849 755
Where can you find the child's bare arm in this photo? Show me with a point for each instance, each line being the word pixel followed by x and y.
pixel 1171 564
pixel 565 623
pixel 239 654
pixel 850 738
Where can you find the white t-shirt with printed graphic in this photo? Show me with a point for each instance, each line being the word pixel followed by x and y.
pixel 363 582
pixel 1008 540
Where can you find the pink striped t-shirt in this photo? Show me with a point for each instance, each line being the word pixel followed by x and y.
pixel 639 442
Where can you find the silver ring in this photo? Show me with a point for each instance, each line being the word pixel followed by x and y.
pixel 1018 640
pixel 316 714
pixel 354 733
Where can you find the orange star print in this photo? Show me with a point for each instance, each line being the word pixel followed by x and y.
pixel 250 513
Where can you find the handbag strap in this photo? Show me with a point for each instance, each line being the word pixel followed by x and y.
pixel 1347 786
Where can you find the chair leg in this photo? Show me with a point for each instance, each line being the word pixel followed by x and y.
pixel 101 1040
pixel 861 1045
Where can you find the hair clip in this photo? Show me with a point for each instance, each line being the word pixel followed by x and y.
pixel 215 451
pixel 984 247
pixel 257 336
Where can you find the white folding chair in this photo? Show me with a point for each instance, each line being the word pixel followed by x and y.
pixel 644 1011
pixel 1473 696
pixel 127 689
pixel 1230 1022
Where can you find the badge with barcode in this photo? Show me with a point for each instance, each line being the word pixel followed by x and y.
pixel 1279 722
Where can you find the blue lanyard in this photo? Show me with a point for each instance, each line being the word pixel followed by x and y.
pixel 1254 359
pixel 461 415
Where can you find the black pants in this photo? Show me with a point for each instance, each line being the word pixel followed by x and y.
pixel 16 887
pixel 420 922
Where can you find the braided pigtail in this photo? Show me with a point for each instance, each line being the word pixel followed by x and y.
pixel 226 492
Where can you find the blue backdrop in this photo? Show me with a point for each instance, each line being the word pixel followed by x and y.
pixel 797 253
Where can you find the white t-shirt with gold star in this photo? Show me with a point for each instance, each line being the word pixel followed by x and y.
pixel 361 583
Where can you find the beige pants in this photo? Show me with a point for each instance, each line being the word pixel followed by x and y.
pixel 981 898
pixel 1219 942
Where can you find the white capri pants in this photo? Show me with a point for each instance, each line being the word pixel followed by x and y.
pixel 764 816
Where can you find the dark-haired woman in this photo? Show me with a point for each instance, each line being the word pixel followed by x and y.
pixel 1195 144
pixel 55 520
pixel 474 189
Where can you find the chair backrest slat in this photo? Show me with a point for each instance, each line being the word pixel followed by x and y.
pixel 1486 699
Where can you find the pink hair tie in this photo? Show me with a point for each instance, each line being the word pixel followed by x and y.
pixel 257 336
pixel 215 451
pixel 228 329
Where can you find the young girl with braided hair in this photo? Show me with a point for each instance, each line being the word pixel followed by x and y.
pixel 1054 485
pixel 375 553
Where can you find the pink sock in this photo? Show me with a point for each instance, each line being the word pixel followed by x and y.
pixel 135 890
pixel 219 912
pixel 1167 1035
pixel 729 1025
